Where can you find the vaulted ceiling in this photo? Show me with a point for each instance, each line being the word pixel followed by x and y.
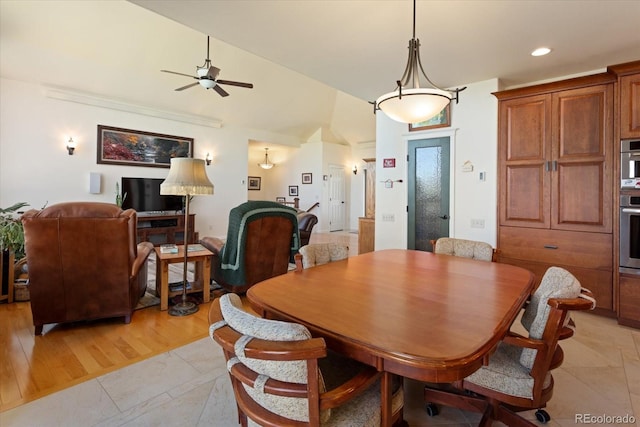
pixel 314 64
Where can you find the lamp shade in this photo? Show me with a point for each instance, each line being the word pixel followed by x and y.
pixel 187 176
pixel 415 105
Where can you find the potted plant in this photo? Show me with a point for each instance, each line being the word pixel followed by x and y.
pixel 11 243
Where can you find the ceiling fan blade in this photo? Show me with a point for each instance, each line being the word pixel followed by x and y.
pixel 187 86
pixel 220 91
pixel 232 83
pixel 180 74
pixel 213 72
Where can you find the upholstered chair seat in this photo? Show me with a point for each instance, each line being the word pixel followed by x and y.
pixel 463 248
pixel 282 375
pixel 320 253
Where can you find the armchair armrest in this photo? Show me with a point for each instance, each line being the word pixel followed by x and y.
pixel 518 340
pixel 144 249
pixel 214 244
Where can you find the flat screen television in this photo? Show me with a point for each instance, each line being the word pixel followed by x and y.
pixel 143 195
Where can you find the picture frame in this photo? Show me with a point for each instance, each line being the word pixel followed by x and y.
pixel 281 199
pixel 119 146
pixel 293 190
pixel 440 120
pixel 307 178
pixel 254 182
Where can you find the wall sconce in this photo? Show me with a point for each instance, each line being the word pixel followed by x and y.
pixel 355 169
pixel 71 146
pixel 208 159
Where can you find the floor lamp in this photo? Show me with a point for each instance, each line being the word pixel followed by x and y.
pixel 187 177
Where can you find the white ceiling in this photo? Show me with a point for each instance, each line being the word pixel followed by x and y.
pixel 314 63
pixel 359 47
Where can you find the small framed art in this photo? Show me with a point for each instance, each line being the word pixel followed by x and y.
pixel 307 178
pixel 440 120
pixel 254 183
pixel 293 190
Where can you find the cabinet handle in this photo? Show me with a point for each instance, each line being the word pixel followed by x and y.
pixel 546 166
pixel 550 246
pixel 555 165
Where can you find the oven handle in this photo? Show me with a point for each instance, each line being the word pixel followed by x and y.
pixel 629 210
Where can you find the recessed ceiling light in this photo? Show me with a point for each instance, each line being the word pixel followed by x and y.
pixel 541 51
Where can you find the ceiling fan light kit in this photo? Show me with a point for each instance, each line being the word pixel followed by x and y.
pixel 207 77
pixel 411 103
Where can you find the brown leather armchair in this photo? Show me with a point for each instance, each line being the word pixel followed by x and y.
pixel 261 237
pixel 84 262
pixel 306 221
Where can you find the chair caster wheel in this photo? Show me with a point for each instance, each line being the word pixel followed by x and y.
pixel 543 416
pixel 432 409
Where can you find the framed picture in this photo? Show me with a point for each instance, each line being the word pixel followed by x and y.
pixel 306 178
pixel 117 146
pixel 293 190
pixel 281 199
pixel 254 183
pixel 440 120
pixel 388 163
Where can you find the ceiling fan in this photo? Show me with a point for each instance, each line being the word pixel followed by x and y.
pixel 207 77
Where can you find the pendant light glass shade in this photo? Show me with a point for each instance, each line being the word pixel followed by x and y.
pixel 266 164
pixel 411 103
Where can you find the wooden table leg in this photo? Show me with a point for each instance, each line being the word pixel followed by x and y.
pixel 386 394
pixel 162 283
pixel 206 279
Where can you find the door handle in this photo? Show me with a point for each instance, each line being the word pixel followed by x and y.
pixel 445 216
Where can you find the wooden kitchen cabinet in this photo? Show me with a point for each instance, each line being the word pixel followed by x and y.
pixel 555 157
pixel 629 312
pixel 629 93
pixel 555 166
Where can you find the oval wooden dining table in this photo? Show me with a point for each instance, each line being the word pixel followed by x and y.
pixel 429 317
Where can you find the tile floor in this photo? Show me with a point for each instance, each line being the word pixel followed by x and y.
pixel 189 386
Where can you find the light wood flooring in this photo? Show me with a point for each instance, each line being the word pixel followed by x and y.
pixel 65 355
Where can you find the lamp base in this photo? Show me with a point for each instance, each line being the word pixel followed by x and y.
pixel 183 308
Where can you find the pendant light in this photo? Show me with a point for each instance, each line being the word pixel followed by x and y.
pixel 411 103
pixel 266 164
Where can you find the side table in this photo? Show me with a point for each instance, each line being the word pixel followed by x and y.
pixel 202 276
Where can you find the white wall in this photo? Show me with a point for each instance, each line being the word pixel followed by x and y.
pixel 35 166
pixel 473 134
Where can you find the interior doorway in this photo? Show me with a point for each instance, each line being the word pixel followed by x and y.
pixel 336 198
pixel 428 186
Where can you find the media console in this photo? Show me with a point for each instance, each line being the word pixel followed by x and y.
pixel 165 227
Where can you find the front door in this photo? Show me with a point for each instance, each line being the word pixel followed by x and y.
pixel 428 186
pixel 336 198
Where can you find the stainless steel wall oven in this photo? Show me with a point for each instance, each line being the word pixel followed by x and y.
pixel 630 233
pixel 630 163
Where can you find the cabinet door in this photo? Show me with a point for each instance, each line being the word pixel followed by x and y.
pixel 630 106
pixel 581 172
pixel 524 154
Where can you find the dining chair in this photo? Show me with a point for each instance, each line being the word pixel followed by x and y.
pixel 464 248
pixel 518 376
pixel 282 376
pixel 320 253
